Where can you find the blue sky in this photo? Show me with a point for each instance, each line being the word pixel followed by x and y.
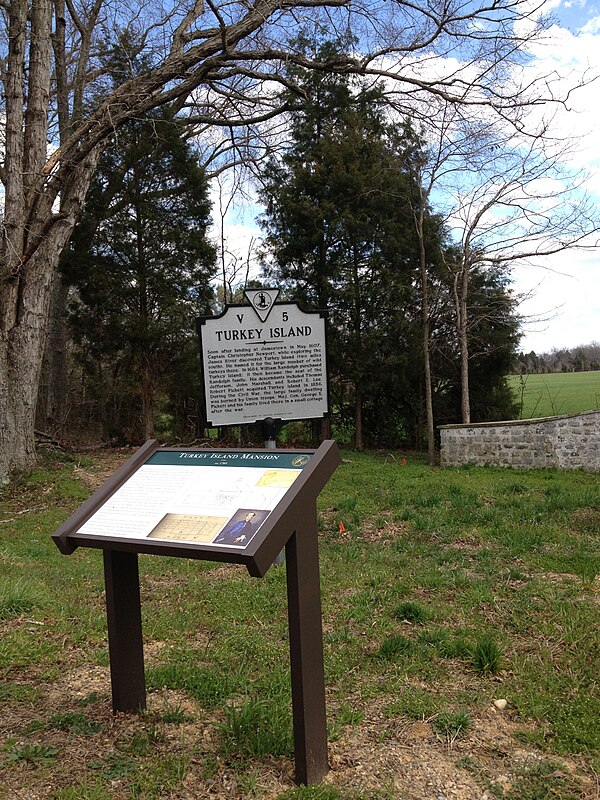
pixel 573 15
pixel 566 287
pixel 564 307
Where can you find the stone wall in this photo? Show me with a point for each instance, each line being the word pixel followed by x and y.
pixel 567 442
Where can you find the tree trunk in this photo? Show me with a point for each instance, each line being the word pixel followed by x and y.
pixel 148 402
pixel 461 293
pixel 358 426
pixel 24 315
pixel 425 315
pixel 21 354
pixel 428 389
pixel 51 412
pixel 358 353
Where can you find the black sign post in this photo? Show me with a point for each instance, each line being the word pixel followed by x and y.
pixel 237 506
pixel 306 653
pixel 124 622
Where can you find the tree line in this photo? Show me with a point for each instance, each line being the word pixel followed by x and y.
pixel 583 358
pixel 346 230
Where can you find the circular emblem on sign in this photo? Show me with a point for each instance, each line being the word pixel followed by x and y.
pixel 262 301
pixel 300 461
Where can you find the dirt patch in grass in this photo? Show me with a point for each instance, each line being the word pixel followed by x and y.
pixel 79 741
pixel 412 760
pixel 104 463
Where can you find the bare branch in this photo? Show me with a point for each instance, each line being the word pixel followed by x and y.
pixel 180 36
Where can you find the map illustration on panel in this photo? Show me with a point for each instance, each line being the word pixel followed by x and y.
pixel 188 527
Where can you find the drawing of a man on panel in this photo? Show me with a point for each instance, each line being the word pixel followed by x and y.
pixel 241 527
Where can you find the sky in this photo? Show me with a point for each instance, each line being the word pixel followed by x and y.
pixel 562 308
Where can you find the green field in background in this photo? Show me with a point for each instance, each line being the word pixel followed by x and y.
pixel 556 393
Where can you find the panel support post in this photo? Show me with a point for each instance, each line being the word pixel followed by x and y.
pixel 306 652
pixel 124 614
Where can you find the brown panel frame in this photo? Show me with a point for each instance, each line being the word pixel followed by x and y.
pixel 293 524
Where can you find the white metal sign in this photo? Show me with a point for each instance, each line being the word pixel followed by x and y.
pixel 264 360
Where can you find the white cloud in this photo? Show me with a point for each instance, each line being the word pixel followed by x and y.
pixel 565 308
pixel 567 293
pixel 592 26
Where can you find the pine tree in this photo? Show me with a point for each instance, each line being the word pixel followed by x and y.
pixel 140 264
pixel 339 230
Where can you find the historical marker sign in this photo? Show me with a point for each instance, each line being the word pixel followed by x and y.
pixel 239 506
pixel 261 360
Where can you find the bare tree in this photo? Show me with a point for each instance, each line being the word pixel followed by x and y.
pixel 440 152
pixel 235 261
pixel 506 193
pixel 521 202
pixel 421 186
pixel 221 56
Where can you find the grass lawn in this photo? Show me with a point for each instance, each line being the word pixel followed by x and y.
pixel 556 393
pixel 445 593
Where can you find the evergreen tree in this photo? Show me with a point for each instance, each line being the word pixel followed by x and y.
pixel 140 264
pixel 339 232
pixel 342 203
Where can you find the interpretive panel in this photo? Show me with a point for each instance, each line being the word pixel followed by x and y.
pixel 237 506
pixel 256 368
pixel 212 498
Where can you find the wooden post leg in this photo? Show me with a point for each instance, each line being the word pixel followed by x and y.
pixel 124 614
pixel 306 653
